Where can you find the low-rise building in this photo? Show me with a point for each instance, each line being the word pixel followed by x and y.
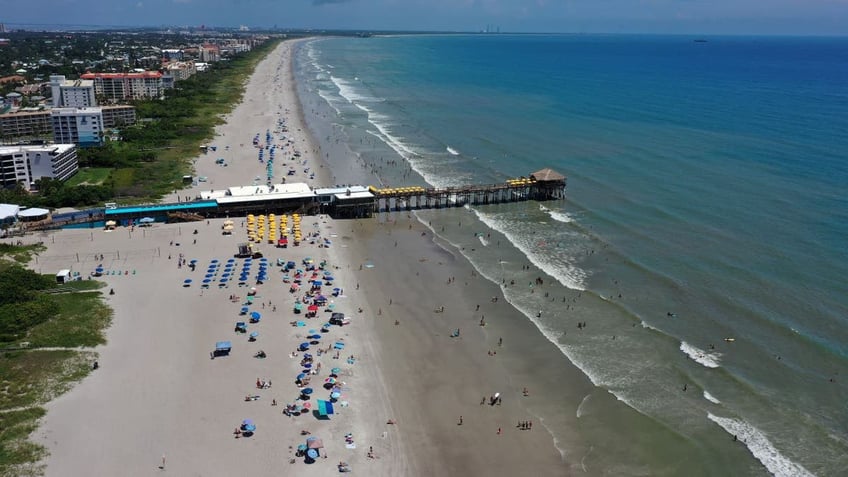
pixel 27 164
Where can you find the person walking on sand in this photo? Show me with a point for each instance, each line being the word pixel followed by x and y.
pixel 163 462
pixel 460 421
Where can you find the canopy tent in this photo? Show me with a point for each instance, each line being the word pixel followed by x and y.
pixel 325 408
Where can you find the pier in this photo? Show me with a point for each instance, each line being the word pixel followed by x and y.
pixel 543 185
pixel 338 202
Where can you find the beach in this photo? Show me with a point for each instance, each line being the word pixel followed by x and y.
pixel 427 348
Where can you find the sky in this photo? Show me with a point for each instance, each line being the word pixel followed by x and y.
pixel 766 17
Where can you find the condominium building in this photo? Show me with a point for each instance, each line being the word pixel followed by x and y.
pixel 72 93
pixel 82 126
pixel 27 164
pixel 181 70
pixel 127 86
pixel 118 115
pixel 24 124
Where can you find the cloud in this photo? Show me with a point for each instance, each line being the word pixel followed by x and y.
pixel 327 2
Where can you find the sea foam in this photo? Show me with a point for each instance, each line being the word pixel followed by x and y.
pixel 557 215
pixel 452 151
pixel 709 360
pixel 709 397
pixel 759 445
pixel 570 277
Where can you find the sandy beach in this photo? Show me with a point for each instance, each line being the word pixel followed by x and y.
pixel 411 396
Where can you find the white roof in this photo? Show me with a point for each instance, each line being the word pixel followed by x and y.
pixel 63 273
pixel 9 210
pixel 341 190
pixel 265 197
pixel 354 195
pixel 259 190
pixel 33 212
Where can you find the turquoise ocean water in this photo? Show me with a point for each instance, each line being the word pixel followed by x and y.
pixel 705 226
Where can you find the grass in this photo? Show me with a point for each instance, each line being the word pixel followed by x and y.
pixel 81 322
pixel 89 176
pixel 20 253
pixel 17 453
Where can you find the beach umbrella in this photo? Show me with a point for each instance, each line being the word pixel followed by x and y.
pixel 306 391
pixel 312 308
pixel 313 442
pixel 335 370
pixel 214 260
pixel 243 310
pixel 146 220
pixel 307 405
pixel 330 381
pixel 300 323
pixel 300 376
pixel 304 346
pixel 302 447
pixel 254 334
pixel 335 395
pixel 255 315
pixel 187 282
pixel 193 260
pixel 312 454
pixel 206 280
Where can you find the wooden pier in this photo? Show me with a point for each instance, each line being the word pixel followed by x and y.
pixel 541 186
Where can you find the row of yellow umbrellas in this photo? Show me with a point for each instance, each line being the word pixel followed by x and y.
pixel 520 181
pixel 397 190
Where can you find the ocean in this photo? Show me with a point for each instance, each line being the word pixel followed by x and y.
pixel 702 240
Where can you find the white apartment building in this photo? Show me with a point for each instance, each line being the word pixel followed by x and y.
pixel 27 164
pixel 72 93
pixel 81 126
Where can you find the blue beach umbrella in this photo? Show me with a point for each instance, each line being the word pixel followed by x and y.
pixel 206 280
pixel 306 391
pixel 254 334
pixel 312 453
pixel 214 260
pixel 255 315
pixel 193 260
pixel 243 310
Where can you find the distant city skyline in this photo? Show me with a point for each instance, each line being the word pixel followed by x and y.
pixel 772 17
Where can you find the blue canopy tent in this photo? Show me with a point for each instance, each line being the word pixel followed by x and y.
pixel 325 408
pixel 223 348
